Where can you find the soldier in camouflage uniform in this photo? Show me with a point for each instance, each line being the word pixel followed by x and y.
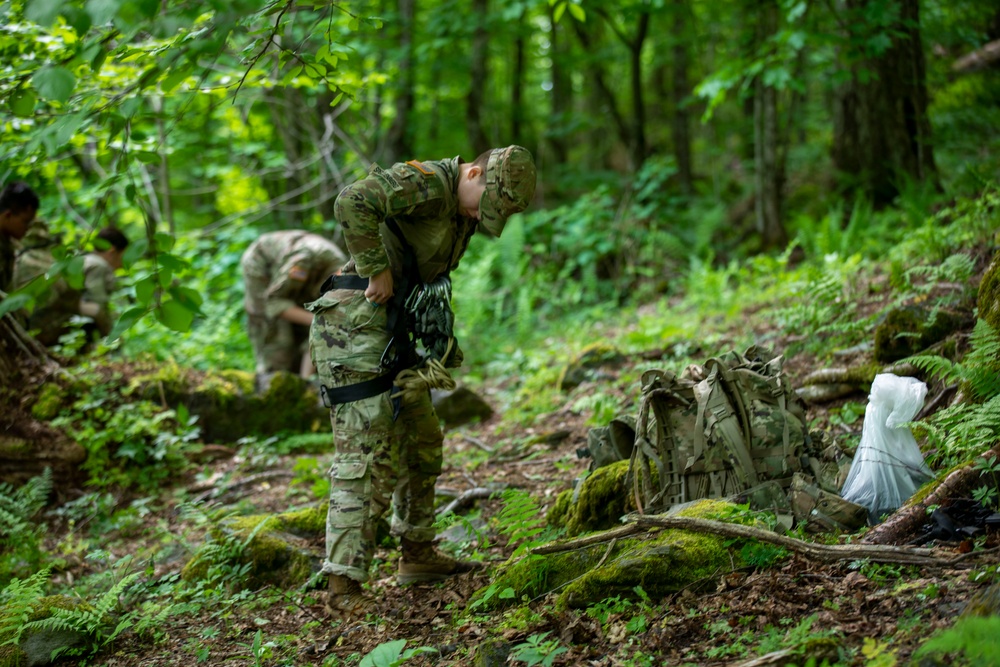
pixel 403 226
pixel 281 272
pixel 99 280
pixel 18 206
pixel 50 318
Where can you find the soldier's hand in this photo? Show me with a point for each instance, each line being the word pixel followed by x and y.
pixel 380 287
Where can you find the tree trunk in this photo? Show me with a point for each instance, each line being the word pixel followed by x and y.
pixel 640 148
pixel 680 125
pixel 602 98
pixel 882 134
pixel 477 85
pixel 399 144
pixel 768 169
pixel 517 89
pixel 562 92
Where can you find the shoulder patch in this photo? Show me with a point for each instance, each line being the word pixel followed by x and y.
pixel 384 176
pixel 298 273
pixel 419 166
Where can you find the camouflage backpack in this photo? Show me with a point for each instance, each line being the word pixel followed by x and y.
pixel 715 431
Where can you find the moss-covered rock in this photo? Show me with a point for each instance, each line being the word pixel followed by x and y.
pixel 36 646
pixel 48 403
pixel 604 497
pixel 661 562
pixel 911 329
pixel 592 356
pixel 227 405
pixel 275 546
pixel 988 300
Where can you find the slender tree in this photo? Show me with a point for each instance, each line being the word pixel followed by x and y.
pixel 882 133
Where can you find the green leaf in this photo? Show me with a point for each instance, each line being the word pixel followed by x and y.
pixel 103 11
pixel 577 12
pixel 74 272
pixel 54 83
pixel 14 302
pixel 188 296
pixel 126 321
pixel 80 21
pixel 384 655
pixel 175 78
pixel 42 12
pixel 135 251
pixel 175 315
pixel 149 157
pixel 145 289
pixel 560 9
pixel 22 103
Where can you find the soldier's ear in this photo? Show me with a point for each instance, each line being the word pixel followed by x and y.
pixel 473 173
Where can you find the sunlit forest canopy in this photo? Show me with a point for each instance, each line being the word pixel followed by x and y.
pixel 665 132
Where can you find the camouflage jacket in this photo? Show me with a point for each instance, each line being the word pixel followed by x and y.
pixel 421 199
pixel 286 268
pixel 98 279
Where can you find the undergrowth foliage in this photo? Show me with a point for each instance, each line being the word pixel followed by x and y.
pixel 20 533
pixel 968 427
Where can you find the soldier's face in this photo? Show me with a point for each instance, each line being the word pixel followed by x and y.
pixel 470 191
pixel 15 223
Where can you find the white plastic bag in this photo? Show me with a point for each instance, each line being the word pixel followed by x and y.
pixel 888 466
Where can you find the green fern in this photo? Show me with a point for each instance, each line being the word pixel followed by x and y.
pixel 522 521
pixel 17 603
pixel 977 372
pixel 18 506
pixel 93 621
pixel 973 638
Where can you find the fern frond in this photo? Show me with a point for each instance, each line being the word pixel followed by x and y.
pixel 17 601
pixel 936 367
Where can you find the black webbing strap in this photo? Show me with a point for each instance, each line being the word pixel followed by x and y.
pixel 355 392
pixel 349 281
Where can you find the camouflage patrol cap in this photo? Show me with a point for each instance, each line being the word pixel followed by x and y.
pixel 510 185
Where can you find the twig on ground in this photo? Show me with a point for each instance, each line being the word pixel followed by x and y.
pixel 466 498
pixel 217 493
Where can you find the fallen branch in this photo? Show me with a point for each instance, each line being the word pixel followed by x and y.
pixel 639 523
pixel 903 522
pixel 822 552
pixel 597 538
pixel 466 498
pixel 217 493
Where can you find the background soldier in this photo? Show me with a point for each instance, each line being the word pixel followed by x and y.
pixel 281 272
pixel 50 319
pixel 406 228
pixel 18 206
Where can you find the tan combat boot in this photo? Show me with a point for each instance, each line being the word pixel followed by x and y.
pixel 347 599
pixel 422 562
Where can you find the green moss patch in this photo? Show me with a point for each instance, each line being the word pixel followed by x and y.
pixel 660 562
pixel 274 546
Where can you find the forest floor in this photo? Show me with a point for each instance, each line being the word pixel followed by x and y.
pixel 851 612
pixel 859 610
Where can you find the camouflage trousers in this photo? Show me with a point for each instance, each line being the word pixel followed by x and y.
pixel 278 345
pixel 378 462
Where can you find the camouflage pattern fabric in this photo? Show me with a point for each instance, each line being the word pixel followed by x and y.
pixel 98 284
pixel 377 461
pixel 375 456
pixel 421 198
pixel 53 310
pixel 280 270
pixel 717 430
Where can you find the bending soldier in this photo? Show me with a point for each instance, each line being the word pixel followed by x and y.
pixel 282 271
pixel 50 320
pixel 406 228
